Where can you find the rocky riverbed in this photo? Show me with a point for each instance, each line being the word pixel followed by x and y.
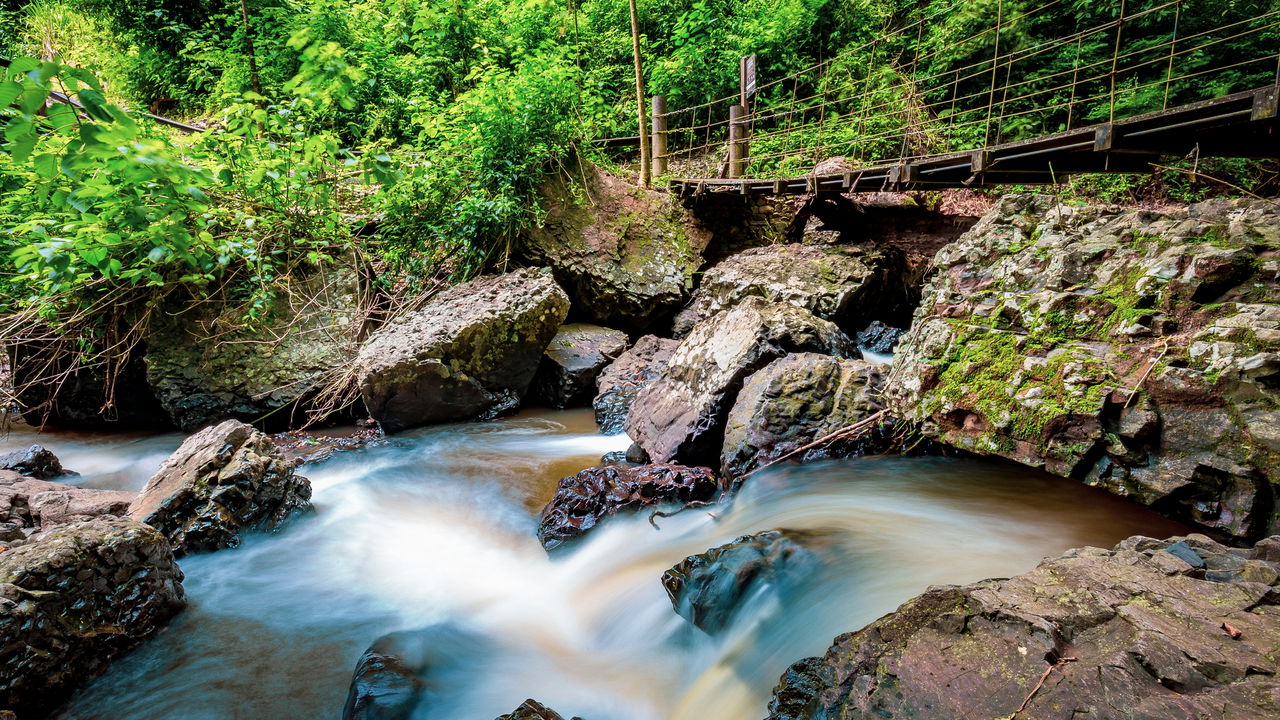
pixel 721 342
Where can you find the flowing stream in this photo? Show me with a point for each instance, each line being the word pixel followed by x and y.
pixel 436 531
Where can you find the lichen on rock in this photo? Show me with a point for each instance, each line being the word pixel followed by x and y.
pixel 1134 350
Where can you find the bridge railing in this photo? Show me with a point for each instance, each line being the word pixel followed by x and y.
pixel 920 90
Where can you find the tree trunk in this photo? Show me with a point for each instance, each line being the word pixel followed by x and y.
pixel 640 110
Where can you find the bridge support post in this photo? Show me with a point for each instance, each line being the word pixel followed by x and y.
pixel 738 149
pixel 659 136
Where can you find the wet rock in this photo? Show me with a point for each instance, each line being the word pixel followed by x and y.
pixel 1132 632
pixel 395 675
pixel 205 368
pixel 799 682
pixel 709 589
pixel 387 683
pixel 222 482
pixel 878 337
pixel 583 500
pixel 308 446
pixel 838 283
pixel 1039 324
pixel 533 710
pixel 681 415
pixel 621 381
pixel 469 353
pixel 31 503
pixel 35 461
pixel 796 400
pixel 571 363
pixel 74 598
pixel 626 256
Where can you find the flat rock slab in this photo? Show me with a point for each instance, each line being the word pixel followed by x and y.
pixel 470 353
pixel 1131 633
pixel 30 503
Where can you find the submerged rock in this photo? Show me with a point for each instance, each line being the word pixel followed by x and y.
pixel 709 589
pixel 1133 632
pixel 626 255
pixel 1133 350
pixel 308 446
pixel 622 380
pixel 681 415
pixel 533 710
pixel 838 283
pixel 469 353
pixel 73 599
pixel 572 362
pixel 35 461
pixel 583 500
pixel 394 677
pixel 387 683
pixel 204 367
pixel 796 400
pixel 222 482
pixel 30 503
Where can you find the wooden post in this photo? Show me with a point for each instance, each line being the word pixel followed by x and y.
pixel 640 110
pixel 659 136
pixel 737 141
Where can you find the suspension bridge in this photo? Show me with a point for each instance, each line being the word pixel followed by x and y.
pixel 1022 100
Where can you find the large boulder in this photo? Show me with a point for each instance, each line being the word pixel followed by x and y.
pixel 36 461
pixel 572 362
pixel 1181 628
pixel 469 353
pixel 710 588
pixel 222 482
pixel 844 283
pixel 205 367
pixel 75 598
pixel 1134 350
pixel 681 415
pixel 626 255
pixel 621 381
pixel 32 504
pixel 796 400
pixel 583 500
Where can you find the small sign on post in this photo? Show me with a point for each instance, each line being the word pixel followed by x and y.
pixel 746 79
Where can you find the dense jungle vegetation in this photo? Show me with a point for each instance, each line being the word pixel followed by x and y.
pixel 413 133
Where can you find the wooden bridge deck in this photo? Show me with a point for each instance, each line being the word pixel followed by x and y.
pixel 1238 125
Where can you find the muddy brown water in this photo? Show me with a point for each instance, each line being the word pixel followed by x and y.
pixel 437 529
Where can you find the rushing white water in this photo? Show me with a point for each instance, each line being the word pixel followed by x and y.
pixel 437 531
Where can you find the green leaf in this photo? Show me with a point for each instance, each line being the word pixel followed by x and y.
pixel 62 117
pixel 9 91
pixel 22 147
pixel 46 165
pixel 93 256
